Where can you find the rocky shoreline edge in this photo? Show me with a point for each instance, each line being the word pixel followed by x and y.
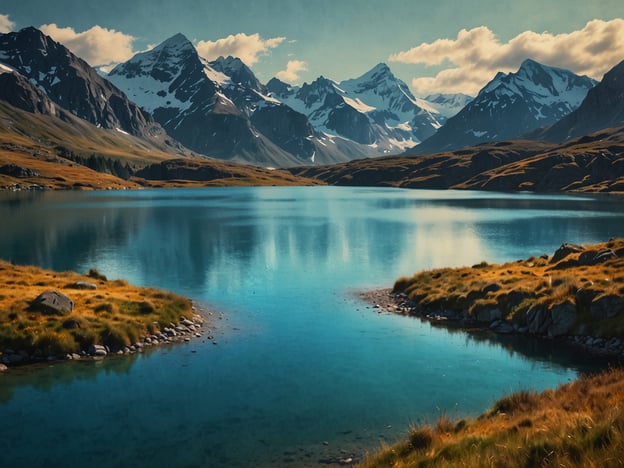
pixel 386 301
pixel 184 331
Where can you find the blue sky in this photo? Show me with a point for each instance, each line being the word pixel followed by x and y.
pixel 444 45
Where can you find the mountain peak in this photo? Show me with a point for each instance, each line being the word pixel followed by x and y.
pixel 238 72
pixel 530 63
pixel 177 41
pixel 381 68
pixel 232 63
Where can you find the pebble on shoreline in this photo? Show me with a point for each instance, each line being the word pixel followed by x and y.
pixel 182 332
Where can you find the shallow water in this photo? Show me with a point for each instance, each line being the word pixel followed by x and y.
pixel 303 372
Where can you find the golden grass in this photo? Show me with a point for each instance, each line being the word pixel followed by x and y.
pixel 588 164
pixel 115 314
pixel 58 174
pixel 37 142
pixel 513 288
pixel 578 424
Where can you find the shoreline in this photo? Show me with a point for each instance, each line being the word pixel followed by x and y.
pixel 183 332
pixel 384 300
pixel 48 316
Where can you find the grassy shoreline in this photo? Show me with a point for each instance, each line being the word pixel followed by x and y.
pixel 577 295
pixel 91 316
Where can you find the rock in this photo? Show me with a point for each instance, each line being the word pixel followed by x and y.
pixel 585 296
pixel 492 287
pixel 187 323
pixel 82 285
pixel 538 319
pixel 563 319
pixel 508 302
pixel 504 328
pixel 488 315
pixel 606 306
pixel 593 257
pixel 52 302
pixel 70 324
pixel 14 170
pixel 94 273
pixel 565 250
pixel 97 350
pixel 15 358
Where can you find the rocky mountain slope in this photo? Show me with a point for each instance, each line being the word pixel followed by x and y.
pixel 71 83
pixel 219 108
pixel 376 110
pixel 589 164
pixel 602 108
pixel 511 105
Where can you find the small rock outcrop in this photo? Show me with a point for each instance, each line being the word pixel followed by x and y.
pixel 13 170
pixel 82 285
pixel 565 250
pixel 52 302
pixel 563 318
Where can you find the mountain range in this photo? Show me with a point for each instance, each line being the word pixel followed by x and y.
pixel 172 100
pixel 71 83
pixel 510 106
pixel 276 124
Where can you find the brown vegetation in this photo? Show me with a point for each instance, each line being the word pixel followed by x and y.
pixel 114 314
pixel 43 147
pixel 589 164
pixel 578 424
pixel 578 290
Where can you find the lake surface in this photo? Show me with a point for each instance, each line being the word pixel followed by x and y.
pixel 303 372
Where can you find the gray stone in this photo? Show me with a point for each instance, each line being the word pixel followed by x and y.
pixel 593 257
pixel 489 315
pixel 505 328
pixel 492 287
pixel 606 306
pixel 585 296
pixel 71 323
pixel 15 358
pixel 82 285
pixel 564 251
pixel 563 319
pixel 97 350
pixel 187 323
pixel 538 320
pixel 52 302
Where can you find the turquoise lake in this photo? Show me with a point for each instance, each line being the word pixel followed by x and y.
pixel 303 372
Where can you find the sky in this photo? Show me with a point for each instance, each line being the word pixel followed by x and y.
pixel 446 46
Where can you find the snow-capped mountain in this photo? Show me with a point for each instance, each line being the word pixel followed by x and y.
pixel 376 110
pixel 510 106
pixel 219 108
pixel 603 107
pixel 448 105
pixel 71 83
pixel 237 73
pixel 19 92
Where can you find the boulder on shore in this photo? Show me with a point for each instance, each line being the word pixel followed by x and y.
pixel 52 302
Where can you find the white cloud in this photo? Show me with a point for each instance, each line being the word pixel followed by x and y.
pixel 293 68
pixel 248 48
pixel 99 46
pixel 477 54
pixel 6 25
